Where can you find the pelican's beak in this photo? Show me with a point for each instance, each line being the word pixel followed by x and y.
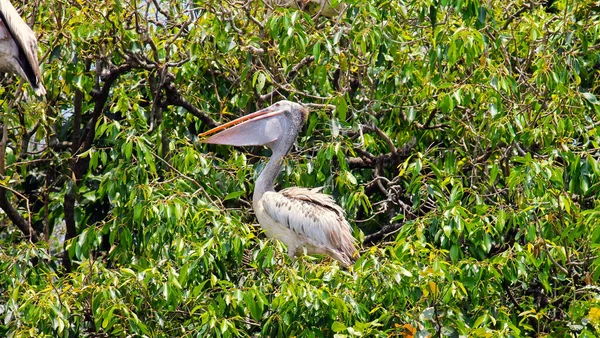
pixel 259 128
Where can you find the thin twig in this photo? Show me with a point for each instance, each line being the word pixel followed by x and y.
pixel 184 176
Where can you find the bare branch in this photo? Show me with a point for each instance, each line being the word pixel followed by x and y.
pixel 14 215
pixel 5 204
pixel 286 86
pixel 378 236
pixel 320 106
pixel 383 135
pixel 175 98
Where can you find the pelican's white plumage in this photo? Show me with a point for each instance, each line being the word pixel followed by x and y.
pixel 18 47
pixel 303 219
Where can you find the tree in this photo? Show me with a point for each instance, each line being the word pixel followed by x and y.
pixel 460 137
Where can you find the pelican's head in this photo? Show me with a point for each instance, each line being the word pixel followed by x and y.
pixel 274 125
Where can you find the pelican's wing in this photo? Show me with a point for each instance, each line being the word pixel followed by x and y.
pixel 25 40
pixel 315 216
pixel 4 33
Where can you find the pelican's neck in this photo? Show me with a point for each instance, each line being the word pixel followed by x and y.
pixel 266 179
pixel 280 147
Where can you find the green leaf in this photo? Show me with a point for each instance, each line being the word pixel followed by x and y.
pixel 234 195
pixel 317 51
pixel 137 212
pixel 255 309
pixel 591 98
pixel 341 108
pixel 128 149
pixel 454 253
pixel 259 81
pixel 338 327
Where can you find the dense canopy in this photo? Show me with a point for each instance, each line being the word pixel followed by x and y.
pixel 461 138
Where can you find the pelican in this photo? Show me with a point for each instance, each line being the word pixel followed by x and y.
pixel 18 47
pixel 303 219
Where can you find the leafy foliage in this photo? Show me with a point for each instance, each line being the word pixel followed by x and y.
pixel 460 136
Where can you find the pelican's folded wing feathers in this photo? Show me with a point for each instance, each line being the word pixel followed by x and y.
pixel 316 217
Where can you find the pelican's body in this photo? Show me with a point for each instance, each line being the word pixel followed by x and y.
pixel 303 219
pixel 18 47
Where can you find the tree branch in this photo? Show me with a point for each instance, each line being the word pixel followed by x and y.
pixel 387 230
pixel 367 160
pixel 175 98
pixel 5 204
pixel 76 164
pixel 15 217
pixel 293 72
pixel 100 99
